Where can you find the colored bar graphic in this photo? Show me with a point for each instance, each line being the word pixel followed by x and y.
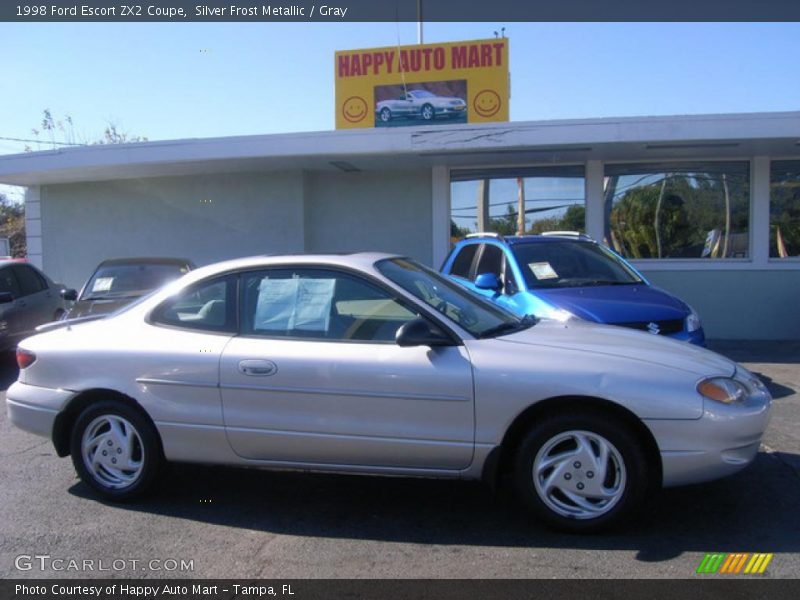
pixel 733 563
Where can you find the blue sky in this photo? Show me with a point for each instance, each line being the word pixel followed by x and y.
pixel 181 80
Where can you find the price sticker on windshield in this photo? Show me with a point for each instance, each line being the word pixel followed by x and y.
pixel 542 270
pixel 102 284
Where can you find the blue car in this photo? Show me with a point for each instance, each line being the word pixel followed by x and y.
pixel 565 274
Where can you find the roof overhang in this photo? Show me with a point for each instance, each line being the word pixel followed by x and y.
pixel 532 142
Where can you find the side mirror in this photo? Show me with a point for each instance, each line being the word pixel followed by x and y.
pixel 69 294
pixel 6 297
pixel 421 332
pixel 487 281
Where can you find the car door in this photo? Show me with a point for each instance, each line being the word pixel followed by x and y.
pixel 35 302
pixel 11 323
pixel 316 377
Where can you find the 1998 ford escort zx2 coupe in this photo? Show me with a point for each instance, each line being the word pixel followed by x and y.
pixel 372 363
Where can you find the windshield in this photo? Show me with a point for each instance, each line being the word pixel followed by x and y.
pixel 477 316
pixel 568 263
pixel 130 281
pixel 421 94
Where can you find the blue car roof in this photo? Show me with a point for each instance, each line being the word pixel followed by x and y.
pixel 512 240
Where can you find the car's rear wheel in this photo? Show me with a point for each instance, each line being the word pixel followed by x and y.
pixel 115 450
pixel 581 472
pixel 386 115
pixel 427 112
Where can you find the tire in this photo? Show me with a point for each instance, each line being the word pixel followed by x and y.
pixel 385 115
pixel 135 447
pixel 427 112
pixel 561 461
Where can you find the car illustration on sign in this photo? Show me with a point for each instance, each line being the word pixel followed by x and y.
pixel 373 363
pixel 420 104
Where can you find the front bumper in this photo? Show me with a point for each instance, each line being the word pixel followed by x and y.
pixel 35 408
pixel 723 441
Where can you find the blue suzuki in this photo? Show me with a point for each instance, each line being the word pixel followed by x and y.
pixel 564 274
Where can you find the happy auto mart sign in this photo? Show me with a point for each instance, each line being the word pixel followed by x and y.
pixel 461 82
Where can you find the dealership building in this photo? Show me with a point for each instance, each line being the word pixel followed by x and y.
pixel 706 206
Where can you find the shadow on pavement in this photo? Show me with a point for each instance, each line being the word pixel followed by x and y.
pixel 8 369
pixel 750 511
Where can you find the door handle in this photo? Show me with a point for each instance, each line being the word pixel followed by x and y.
pixel 258 368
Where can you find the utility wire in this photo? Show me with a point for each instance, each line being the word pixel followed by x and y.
pixel 12 139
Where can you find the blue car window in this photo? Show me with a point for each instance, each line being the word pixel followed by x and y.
pixel 571 264
pixel 463 261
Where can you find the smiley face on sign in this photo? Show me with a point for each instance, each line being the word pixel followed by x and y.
pixel 486 103
pixel 354 109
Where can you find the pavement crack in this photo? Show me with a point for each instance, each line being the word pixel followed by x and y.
pixel 24 450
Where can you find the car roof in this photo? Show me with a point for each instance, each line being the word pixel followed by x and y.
pixel 147 260
pixel 513 240
pixel 359 260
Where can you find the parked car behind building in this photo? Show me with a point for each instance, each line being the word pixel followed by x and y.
pixel 28 298
pixel 119 281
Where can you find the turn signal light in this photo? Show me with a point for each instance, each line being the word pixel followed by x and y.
pixel 25 358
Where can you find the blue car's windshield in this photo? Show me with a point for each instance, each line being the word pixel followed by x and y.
pixel 422 94
pixel 479 317
pixel 568 263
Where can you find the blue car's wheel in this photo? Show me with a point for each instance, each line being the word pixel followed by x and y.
pixel 385 115
pixel 427 112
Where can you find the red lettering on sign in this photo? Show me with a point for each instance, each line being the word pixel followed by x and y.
pixel 498 51
pixel 476 55
pixel 438 58
pixel 458 56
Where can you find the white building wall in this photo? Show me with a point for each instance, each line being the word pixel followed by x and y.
pixel 388 211
pixel 204 218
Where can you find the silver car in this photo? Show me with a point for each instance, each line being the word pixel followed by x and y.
pixel 372 363
pixel 422 104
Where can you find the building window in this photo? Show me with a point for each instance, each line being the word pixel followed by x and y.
pixel 678 210
pixel 784 208
pixel 552 199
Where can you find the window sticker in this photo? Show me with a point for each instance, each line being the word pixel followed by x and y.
pixel 294 304
pixel 102 284
pixel 543 270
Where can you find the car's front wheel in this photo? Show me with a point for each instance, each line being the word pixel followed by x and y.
pixel 427 112
pixel 386 115
pixel 581 472
pixel 115 450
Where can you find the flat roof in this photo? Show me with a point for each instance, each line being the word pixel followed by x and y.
pixel 738 135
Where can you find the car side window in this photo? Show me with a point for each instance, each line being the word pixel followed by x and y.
pixel 463 261
pixel 491 261
pixel 208 305
pixel 510 283
pixel 8 283
pixel 319 304
pixel 29 281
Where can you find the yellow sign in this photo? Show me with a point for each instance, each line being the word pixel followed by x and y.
pixel 461 82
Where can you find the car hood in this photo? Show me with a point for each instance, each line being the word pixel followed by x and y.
pixel 598 340
pixel 617 303
pixel 85 308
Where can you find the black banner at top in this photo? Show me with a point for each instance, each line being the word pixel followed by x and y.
pixel 497 11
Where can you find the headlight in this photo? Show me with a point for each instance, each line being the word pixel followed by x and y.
pixel 722 389
pixel 693 322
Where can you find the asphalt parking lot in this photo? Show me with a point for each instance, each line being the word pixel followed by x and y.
pixel 247 524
